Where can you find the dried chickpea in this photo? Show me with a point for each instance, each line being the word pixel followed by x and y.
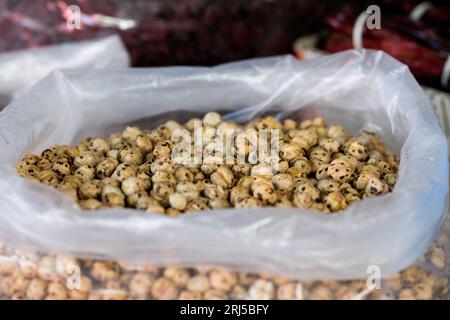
pixel 198 283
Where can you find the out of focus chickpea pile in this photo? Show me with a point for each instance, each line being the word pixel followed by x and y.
pixel 27 275
pixel 316 167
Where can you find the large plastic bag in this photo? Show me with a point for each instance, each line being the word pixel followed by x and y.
pixel 359 89
pixel 20 69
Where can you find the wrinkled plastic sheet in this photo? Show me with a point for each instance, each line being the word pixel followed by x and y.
pixel 20 69
pixel 358 89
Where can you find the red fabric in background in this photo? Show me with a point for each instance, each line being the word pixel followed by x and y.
pixel 170 32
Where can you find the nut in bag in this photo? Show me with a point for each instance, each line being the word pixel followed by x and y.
pixel 358 89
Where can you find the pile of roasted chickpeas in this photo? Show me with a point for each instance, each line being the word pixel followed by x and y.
pixel 313 167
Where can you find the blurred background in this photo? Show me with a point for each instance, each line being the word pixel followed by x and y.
pixel 208 32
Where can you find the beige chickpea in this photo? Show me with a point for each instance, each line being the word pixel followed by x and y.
pixel 212 191
pixel 222 279
pixel 321 292
pixel 297 173
pixel 180 276
pixel 357 150
pixel 212 119
pixel 161 191
pixel 375 170
pixel 350 194
pixel 248 202
pixel 44 164
pixel 56 291
pixel 131 156
pixel 238 293
pixel 261 290
pixel 124 171
pixel 140 285
pixel 61 168
pixel 319 207
pixel 144 143
pixel 49 155
pixel 172 212
pixel 261 170
pixel 30 159
pixel 187 189
pixel 265 193
pixel 106 168
pixel 164 289
pixel 339 172
pixel 131 133
pixel 184 174
pixel 268 122
pixel 223 177
pixel 363 179
pixel 283 181
pixel 437 257
pixel 197 204
pixel 193 123
pixel 307 186
pixel 219 203
pixel 302 163
pixel 406 294
pixel 308 136
pixel 132 199
pixel 164 177
pixel 113 154
pixel 99 145
pixel 327 186
pixel 322 171
pixel 90 189
pixel 302 200
pixel 331 145
pixel 320 154
pixel 385 167
pixel 29 171
pixel 423 291
pixel 85 173
pixel 390 179
pixel 198 283
pixel 36 290
pixel 283 203
pixel 290 151
pixel 48 177
pixel 86 158
pixel 81 293
pixel 110 182
pixel 376 186
pixel 178 201
pixel 90 204
pixel 104 271
pixel 287 291
pixel 338 133
pixel 149 204
pixel 133 185
pixel 163 149
pixel 289 124
pixel 163 164
pixel 237 193
pixel 335 201
pixel 241 170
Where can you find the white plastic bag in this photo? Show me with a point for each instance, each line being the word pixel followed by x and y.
pixel 20 69
pixel 359 89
